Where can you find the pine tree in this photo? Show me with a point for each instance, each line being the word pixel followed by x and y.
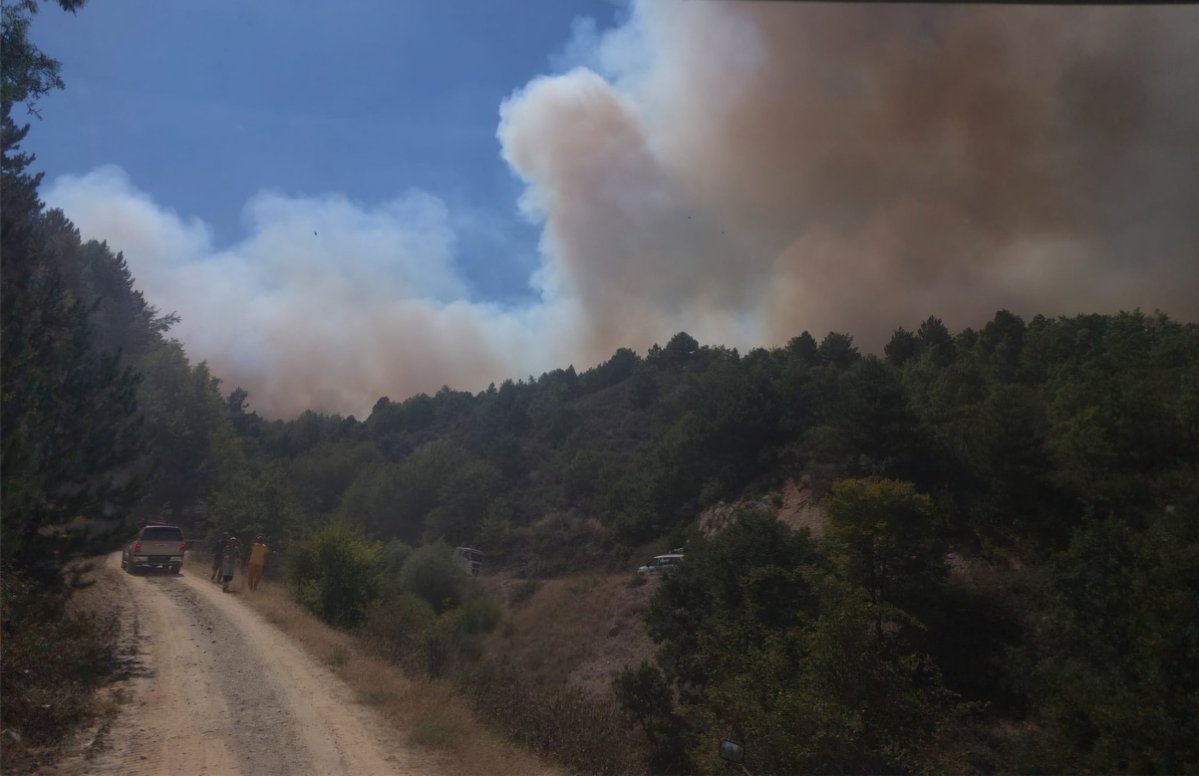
pixel 71 441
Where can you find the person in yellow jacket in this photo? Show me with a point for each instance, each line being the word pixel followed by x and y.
pixel 258 552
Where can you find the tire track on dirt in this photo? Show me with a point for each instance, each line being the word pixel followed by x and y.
pixel 215 690
pixel 176 719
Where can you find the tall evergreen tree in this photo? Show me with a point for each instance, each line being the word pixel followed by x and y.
pixel 71 446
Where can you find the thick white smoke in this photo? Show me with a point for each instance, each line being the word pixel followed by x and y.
pixel 741 171
pixel 326 305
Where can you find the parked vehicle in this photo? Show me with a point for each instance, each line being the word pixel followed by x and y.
pixel 471 559
pixel 661 563
pixel 156 546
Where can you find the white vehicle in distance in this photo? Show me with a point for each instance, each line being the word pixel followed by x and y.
pixel 661 563
pixel 470 558
pixel 157 546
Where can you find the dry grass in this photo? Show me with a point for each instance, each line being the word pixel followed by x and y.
pixel 585 734
pixel 445 721
pixel 56 670
pixel 547 678
pixel 428 712
pixel 578 631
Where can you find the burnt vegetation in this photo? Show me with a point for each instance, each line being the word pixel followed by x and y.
pixel 1006 581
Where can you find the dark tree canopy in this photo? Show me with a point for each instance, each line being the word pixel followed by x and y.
pixel 72 436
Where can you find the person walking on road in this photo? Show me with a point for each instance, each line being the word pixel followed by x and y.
pixel 230 560
pixel 258 551
pixel 218 546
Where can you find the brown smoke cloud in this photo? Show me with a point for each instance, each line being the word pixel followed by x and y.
pixel 791 166
pixel 741 171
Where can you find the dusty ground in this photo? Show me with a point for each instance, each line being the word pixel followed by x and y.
pixel 214 689
pixel 579 631
pixel 796 506
pixel 583 630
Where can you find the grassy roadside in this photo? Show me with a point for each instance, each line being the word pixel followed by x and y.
pixel 432 716
pixel 60 656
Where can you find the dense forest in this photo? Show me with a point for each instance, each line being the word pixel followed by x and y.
pixel 1007 577
pixel 1006 580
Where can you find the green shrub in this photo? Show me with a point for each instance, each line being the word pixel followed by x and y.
pixel 432 573
pixel 493 533
pixel 337 573
pixel 457 635
pixel 395 554
pixel 394 628
pixel 405 629
pixel 439 645
pixel 645 696
pixel 560 544
pixel 478 615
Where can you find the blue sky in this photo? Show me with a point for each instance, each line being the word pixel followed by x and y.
pixel 350 200
pixel 204 104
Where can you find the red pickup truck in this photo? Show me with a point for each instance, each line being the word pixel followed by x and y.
pixel 156 546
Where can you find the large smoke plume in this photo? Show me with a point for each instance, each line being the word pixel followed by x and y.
pixel 741 171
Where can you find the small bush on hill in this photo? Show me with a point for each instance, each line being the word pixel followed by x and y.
pixel 336 572
pixel 456 635
pixel 477 615
pixel 562 544
pixel 645 696
pixel 395 555
pixel 434 617
pixel 432 573
pixel 394 625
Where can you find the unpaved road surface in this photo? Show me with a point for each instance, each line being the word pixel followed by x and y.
pixel 216 690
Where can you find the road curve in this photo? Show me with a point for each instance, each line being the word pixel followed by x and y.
pixel 216 690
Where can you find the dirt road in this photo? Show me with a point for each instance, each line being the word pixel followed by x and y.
pixel 217 690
